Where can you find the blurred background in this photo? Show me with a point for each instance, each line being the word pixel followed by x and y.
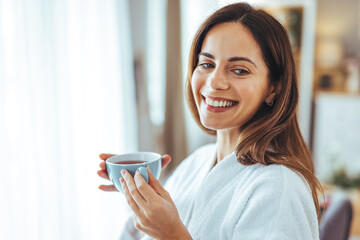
pixel 79 78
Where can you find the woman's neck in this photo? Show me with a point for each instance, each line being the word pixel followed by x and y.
pixel 227 141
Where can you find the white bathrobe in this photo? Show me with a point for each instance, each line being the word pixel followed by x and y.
pixel 233 201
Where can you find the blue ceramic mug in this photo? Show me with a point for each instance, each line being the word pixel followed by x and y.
pixel 132 162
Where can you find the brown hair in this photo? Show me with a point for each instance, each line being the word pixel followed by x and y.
pixel 272 136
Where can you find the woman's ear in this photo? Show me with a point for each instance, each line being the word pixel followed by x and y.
pixel 274 90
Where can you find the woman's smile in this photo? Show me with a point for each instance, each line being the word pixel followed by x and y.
pixel 215 104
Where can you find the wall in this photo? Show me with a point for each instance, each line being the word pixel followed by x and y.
pixel 340 20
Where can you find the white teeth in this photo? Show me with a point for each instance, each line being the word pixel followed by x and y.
pixel 218 103
pixel 211 102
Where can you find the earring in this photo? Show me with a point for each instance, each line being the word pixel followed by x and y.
pixel 270 103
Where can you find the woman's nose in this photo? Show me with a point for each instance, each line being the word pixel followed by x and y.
pixel 217 80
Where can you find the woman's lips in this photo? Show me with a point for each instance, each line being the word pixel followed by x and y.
pixel 218 104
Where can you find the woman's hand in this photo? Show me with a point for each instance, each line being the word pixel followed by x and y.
pixel 165 160
pixel 154 211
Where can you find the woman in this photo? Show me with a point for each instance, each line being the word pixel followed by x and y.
pixel 257 181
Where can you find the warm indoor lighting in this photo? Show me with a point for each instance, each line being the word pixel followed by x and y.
pixel 329 52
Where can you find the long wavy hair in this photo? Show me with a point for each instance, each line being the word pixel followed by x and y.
pixel 272 136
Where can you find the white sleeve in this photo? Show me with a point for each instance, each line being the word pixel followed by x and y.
pixel 129 232
pixel 278 210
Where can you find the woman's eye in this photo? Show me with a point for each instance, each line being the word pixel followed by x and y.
pixel 240 72
pixel 206 65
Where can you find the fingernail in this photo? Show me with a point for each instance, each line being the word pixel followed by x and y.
pixel 123 172
pixel 122 180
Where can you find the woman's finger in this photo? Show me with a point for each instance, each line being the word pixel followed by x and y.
pixel 145 190
pixel 103 174
pixel 156 185
pixel 131 187
pixel 108 188
pixel 104 156
pixel 131 202
pixel 165 160
pixel 102 165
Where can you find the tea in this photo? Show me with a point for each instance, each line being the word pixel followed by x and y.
pixel 129 162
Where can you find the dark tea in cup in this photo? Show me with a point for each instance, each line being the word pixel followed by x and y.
pixel 129 162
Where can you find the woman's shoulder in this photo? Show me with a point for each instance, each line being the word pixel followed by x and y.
pixel 275 184
pixel 281 174
pixel 277 180
pixel 281 196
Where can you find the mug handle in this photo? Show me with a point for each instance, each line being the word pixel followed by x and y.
pixel 143 171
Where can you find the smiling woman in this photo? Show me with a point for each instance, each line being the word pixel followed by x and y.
pixel 231 73
pixel 257 181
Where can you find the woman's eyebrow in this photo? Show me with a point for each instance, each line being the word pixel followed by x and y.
pixel 208 55
pixel 232 59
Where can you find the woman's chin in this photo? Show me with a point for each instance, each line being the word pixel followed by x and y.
pixel 213 125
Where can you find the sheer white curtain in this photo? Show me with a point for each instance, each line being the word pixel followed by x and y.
pixel 66 95
pixel 156 60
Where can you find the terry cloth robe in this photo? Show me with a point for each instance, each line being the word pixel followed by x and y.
pixel 234 201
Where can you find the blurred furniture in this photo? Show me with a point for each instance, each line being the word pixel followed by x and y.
pixel 336 222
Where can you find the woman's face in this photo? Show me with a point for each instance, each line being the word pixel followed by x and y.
pixel 230 81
